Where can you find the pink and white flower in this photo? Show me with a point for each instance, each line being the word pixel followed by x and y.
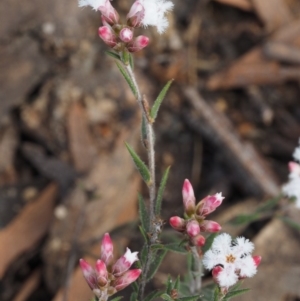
pixel 107 35
pixel 105 280
pixel 188 197
pixel 126 35
pixel 231 260
pixel 138 44
pixel 209 204
pixel 124 263
pixel 136 14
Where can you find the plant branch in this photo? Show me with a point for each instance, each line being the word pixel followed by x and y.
pixel 152 188
pixel 197 271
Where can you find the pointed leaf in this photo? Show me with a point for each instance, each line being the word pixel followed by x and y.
pixel 190 298
pixel 139 164
pixel 175 247
pixel 161 190
pixel 290 222
pixel 169 285
pixel 143 254
pixel 208 242
pixel 152 295
pixel 131 61
pixel 143 233
pixel 144 216
pixel 216 293
pixel 127 78
pixel 144 136
pixel 159 99
pixel 245 219
pixel 133 296
pixel 166 297
pixel 158 247
pixel 158 258
pixel 235 293
pixel 135 286
pixel 177 283
pixel 268 205
pixel 113 55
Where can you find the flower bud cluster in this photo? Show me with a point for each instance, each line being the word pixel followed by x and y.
pixel 194 221
pixel 292 188
pixel 108 277
pixel 117 36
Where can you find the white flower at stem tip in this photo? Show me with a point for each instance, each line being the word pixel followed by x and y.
pixel 95 4
pixel 154 13
pixel 231 260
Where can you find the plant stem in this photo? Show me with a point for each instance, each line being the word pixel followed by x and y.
pixel 197 271
pixel 152 188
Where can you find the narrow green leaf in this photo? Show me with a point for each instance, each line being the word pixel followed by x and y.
pixel 169 285
pixel 133 296
pixel 190 298
pixel 113 55
pixel 268 205
pixel 158 258
pixel 216 293
pixel 144 216
pixel 143 254
pixel 143 233
pixel 116 298
pixel 159 99
pixel 140 165
pixel 208 242
pixel 235 293
pixel 127 78
pixel 144 136
pixel 207 292
pixel 131 61
pixel 152 295
pixel 158 247
pixel 175 247
pixel 290 222
pixel 161 190
pixel 166 297
pixel 125 57
pixel 245 219
pixel 177 283
pixel 135 286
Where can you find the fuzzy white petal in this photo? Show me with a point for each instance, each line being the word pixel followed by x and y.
pixel 95 4
pixel 242 246
pixel 246 266
pixel 292 188
pixel 296 153
pixel 227 277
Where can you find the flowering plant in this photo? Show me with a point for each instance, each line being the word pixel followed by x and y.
pixel 230 260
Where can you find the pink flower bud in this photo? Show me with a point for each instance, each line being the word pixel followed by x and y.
pixel 192 228
pixel 89 274
pixel 177 223
pixel 198 241
pixel 216 272
pixel 138 44
pixel 107 249
pixel 126 279
pixel 188 197
pixel 136 14
pixel 209 204
pixel 110 15
pixel 101 273
pixel 126 35
pixel 210 226
pixel 124 263
pixel 257 260
pixel 294 168
pixel 107 35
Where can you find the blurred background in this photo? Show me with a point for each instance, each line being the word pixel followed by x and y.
pixel 229 123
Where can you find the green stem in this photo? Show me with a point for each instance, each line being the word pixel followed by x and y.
pixel 152 188
pixel 197 271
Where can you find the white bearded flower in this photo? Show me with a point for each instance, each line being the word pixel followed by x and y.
pixel 95 4
pixel 155 11
pixel 233 256
pixel 292 188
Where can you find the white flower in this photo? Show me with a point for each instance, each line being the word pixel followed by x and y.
pixel 234 256
pixel 292 188
pixel 296 153
pixel 155 11
pixel 95 4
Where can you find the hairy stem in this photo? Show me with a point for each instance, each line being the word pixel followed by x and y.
pixel 152 188
pixel 197 271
